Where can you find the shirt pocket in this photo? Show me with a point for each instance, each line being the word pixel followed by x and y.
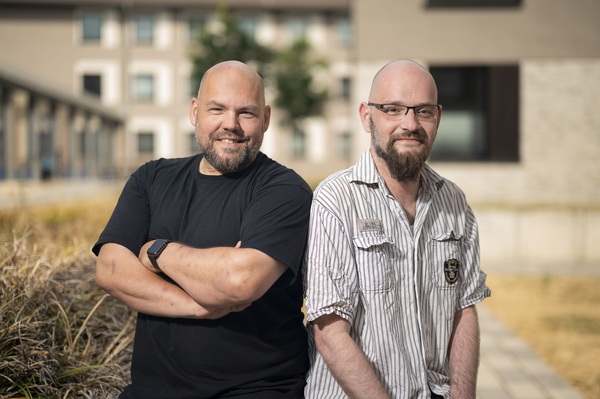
pixel 445 263
pixel 373 261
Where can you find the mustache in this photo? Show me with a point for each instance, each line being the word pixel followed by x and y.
pixel 408 135
pixel 229 135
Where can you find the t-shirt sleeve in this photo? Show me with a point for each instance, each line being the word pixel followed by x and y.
pixel 130 221
pixel 276 223
pixel 330 280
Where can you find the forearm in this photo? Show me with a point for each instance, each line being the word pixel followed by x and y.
pixel 221 276
pixel 122 275
pixel 464 354
pixel 348 364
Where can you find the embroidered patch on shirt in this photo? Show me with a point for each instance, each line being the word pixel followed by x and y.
pixel 370 225
pixel 451 269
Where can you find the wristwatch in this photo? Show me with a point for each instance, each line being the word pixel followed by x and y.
pixel 155 250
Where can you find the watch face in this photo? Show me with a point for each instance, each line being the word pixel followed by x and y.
pixel 155 248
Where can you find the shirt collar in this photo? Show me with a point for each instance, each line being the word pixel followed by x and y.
pixel 365 172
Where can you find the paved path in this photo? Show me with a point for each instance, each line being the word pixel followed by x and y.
pixel 509 369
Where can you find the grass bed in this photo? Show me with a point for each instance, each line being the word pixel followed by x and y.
pixel 60 335
pixel 559 317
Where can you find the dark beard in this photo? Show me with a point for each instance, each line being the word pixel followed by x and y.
pixel 404 167
pixel 228 165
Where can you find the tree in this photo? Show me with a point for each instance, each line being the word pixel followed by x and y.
pixel 296 93
pixel 228 42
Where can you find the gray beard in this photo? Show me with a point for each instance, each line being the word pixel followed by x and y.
pixel 229 165
pixel 404 167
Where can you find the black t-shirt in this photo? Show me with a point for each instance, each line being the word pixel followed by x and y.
pixel 260 352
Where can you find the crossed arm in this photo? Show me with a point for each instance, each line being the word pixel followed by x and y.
pixel 210 282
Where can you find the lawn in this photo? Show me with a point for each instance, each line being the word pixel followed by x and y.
pixel 559 317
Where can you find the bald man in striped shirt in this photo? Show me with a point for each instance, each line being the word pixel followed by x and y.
pixel 392 270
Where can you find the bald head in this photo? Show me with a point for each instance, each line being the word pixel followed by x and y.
pixel 406 78
pixel 233 71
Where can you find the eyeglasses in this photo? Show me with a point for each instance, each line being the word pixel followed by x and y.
pixel 398 112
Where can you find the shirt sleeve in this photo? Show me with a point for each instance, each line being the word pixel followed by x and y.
pixel 276 223
pixel 130 221
pixel 330 278
pixel 472 287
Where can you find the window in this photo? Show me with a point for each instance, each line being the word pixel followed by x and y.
pixel 345 145
pixel 194 86
pixel 480 118
pixel 344 34
pixel 92 85
pixel 194 147
pixel 91 27
pixel 195 28
pixel 473 3
pixel 297 28
pixel 248 26
pixel 298 144
pixel 143 88
pixel 345 89
pixel 144 29
pixel 146 143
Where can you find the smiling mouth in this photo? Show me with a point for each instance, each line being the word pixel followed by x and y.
pixel 232 141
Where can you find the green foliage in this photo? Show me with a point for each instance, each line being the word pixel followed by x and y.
pixel 290 69
pixel 228 42
pixel 296 93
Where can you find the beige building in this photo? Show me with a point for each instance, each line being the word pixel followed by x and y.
pixel 518 79
pixel 134 57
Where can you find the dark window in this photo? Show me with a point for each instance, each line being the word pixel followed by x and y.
pixel 194 85
pixel 92 85
pixel 345 145
pixel 344 32
pixel 144 29
pixel 194 147
pixel 195 25
pixel 298 144
pixel 146 143
pixel 143 88
pixel 91 27
pixel 473 3
pixel 480 117
pixel 345 86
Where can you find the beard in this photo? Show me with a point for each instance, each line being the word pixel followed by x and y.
pixel 228 164
pixel 404 166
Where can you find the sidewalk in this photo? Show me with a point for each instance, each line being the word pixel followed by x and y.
pixel 510 370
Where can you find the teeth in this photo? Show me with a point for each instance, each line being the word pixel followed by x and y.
pixel 229 141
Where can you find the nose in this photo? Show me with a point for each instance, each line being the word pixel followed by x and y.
pixel 410 121
pixel 230 121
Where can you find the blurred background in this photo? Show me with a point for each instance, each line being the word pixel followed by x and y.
pixel 91 89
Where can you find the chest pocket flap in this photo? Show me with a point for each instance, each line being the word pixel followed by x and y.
pixel 373 252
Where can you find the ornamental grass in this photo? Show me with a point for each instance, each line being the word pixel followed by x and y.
pixel 60 335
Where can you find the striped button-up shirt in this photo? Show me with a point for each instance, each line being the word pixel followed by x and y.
pixel 398 285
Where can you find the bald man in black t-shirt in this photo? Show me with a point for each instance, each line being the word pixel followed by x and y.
pixel 208 249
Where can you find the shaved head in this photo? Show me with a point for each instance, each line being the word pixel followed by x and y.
pixel 237 68
pixel 397 75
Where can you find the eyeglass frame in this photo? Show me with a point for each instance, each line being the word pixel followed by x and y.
pixel 380 108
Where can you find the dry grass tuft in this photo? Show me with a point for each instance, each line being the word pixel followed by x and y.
pixel 60 335
pixel 559 317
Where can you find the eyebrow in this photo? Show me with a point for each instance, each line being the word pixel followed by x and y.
pixel 212 103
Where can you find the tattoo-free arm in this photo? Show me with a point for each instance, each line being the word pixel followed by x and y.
pixel 120 273
pixel 463 354
pixel 219 277
pixel 345 359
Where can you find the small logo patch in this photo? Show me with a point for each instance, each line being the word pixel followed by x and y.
pixel 370 225
pixel 451 270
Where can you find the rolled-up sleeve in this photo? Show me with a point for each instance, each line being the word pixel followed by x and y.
pixel 330 280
